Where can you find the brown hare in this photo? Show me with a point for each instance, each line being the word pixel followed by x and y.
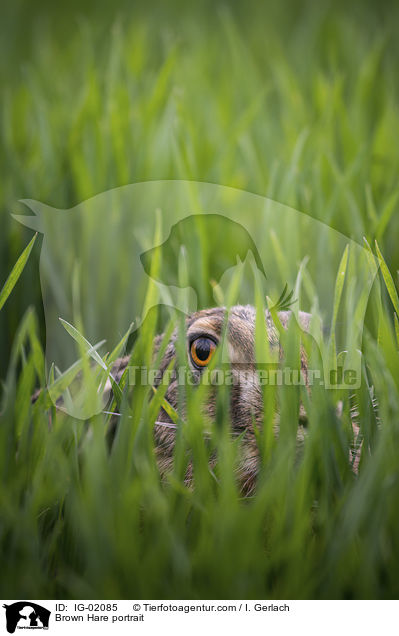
pixel 203 335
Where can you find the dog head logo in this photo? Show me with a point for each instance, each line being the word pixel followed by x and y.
pixel 26 615
pixel 98 262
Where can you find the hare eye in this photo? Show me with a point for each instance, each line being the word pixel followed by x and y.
pixel 201 351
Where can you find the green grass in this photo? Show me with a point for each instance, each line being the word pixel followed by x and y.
pixel 298 103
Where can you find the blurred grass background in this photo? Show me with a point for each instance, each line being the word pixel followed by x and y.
pixel 297 101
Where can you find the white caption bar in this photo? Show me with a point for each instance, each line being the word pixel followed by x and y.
pixel 149 617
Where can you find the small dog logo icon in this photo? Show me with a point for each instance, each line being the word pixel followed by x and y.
pixel 26 615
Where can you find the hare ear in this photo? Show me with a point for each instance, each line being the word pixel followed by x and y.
pixel 33 222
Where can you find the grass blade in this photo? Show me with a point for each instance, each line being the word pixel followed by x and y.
pixel 16 272
pixel 390 285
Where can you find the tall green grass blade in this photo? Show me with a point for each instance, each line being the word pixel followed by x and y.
pixel 390 285
pixel 81 340
pixel 396 328
pixel 88 349
pixel 16 272
pixel 339 285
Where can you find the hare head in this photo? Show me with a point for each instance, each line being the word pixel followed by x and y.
pixel 205 331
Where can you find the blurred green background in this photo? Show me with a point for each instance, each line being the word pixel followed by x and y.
pixel 297 101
